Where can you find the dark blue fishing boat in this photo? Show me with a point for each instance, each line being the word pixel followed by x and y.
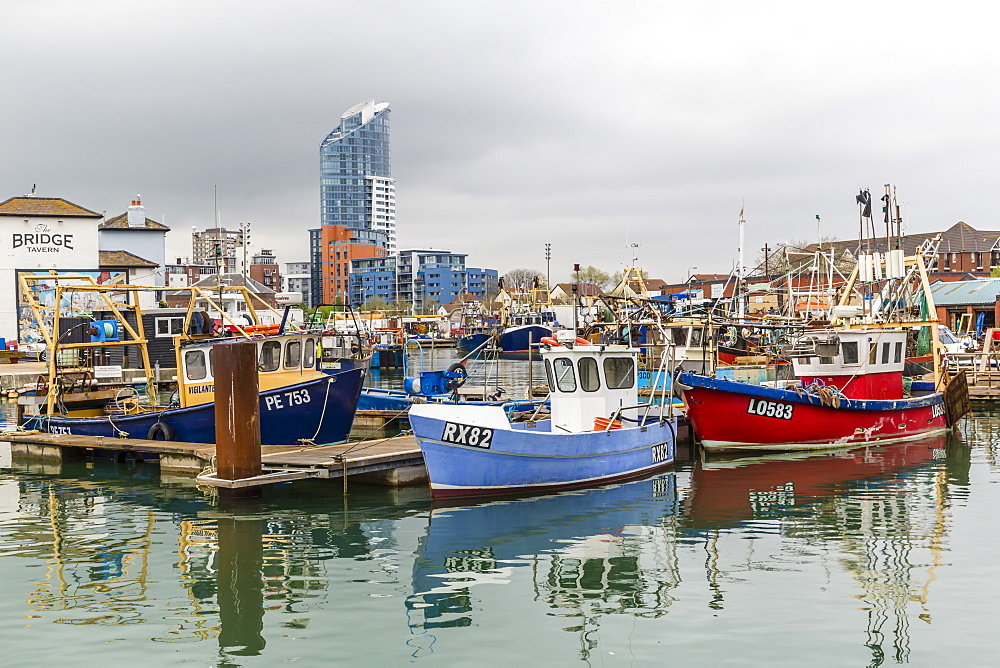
pixel 299 403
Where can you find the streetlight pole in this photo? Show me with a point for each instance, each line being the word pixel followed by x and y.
pixel 548 267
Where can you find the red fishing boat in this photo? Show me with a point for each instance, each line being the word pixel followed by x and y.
pixel 848 386
pixel 849 391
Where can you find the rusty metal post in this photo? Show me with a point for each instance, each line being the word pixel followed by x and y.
pixel 237 410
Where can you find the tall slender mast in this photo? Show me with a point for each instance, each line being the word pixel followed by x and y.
pixel 740 308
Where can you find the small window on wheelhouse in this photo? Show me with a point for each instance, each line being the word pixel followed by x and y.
pixel 565 378
pixel 885 353
pixel 696 336
pixel 898 353
pixel 619 372
pixel 270 356
pixel 548 375
pixel 850 351
pixel 590 379
pixel 873 354
pixel 293 354
pixel 194 365
pixel 309 354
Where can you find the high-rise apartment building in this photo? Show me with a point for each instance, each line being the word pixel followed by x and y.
pixel 357 200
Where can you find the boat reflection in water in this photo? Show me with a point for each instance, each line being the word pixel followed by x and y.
pixel 882 508
pixel 588 552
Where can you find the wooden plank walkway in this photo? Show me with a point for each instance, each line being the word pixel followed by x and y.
pixel 324 461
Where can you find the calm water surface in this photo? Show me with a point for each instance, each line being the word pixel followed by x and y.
pixel 870 557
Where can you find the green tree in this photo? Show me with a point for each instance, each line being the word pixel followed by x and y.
pixel 590 274
pixel 375 304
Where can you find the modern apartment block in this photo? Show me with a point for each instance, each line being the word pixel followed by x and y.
pixel 357 200
pixel 424 279
pixel 264 269
pixel 297 278
pixel 217 246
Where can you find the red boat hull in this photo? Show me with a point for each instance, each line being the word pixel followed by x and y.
pixel 778 420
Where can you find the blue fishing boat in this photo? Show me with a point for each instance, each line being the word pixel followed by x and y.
pixel 439 387
pixel 598 431
pixel 299 403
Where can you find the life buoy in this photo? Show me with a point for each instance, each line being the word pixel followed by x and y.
pixel 580 341
pixel 457 382
pixel 160 431
pixel 549 341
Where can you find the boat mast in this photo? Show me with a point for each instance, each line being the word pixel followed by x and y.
pixel 741 307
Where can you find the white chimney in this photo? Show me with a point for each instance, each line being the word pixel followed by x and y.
pixel 137 213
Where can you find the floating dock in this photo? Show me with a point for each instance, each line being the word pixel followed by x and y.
pixel 393 461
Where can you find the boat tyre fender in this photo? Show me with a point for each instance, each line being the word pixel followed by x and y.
pixel 160 431
pixel 457 382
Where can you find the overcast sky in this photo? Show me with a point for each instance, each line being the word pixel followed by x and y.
pixel 588 125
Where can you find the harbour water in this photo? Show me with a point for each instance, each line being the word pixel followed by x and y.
pixel 878 556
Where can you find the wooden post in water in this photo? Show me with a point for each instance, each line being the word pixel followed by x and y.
pixel 237 413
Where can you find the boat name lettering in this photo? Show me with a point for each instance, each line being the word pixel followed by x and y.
pixel 937 410
pixel 201 389
pixel 293 398
pixel 60 430
pixel 464 434
pixel 775 409
pixel 661 452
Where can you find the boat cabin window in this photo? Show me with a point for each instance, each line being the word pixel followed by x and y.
pixel 565 378
pixel 548 375
pixel 172 326
pixel 946 336
pixel 873 354
pixel 309 358
pixel 898 353
pixel 696 336
pixel 293 354
pixel 619 372
pixel 885 353
pixel 194 365
pixel 590 378
pixel 270 356
pixel 680 336
pixel 850 351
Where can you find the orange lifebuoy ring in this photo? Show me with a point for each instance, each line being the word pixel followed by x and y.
pixel 548 341
pixel 580 341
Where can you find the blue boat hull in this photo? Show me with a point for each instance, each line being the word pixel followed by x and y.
pixel 321 411
pixel 517 460
pixel 473 341
pixel 517 339
pixel 387 358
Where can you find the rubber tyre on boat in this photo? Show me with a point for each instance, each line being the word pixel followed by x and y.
pixel 455 383
pixel 160 431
